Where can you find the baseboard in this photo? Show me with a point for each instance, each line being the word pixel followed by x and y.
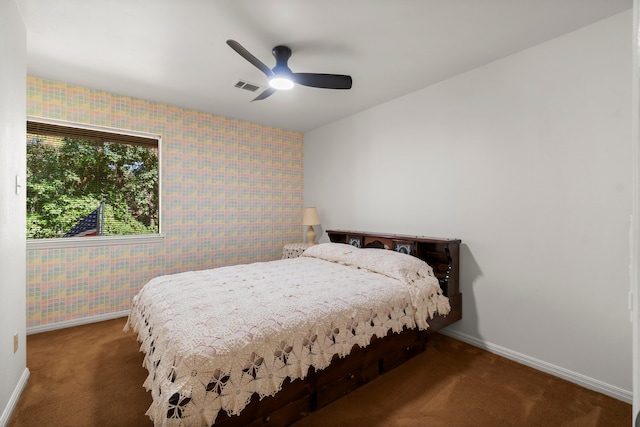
pixel 76 322
pixel 574 377
pixel 13 401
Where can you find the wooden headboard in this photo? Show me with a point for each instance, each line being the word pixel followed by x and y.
pixel 443 255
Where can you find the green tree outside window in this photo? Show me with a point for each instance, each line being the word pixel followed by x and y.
pixel 69 177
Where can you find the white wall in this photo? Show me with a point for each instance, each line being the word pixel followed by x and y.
pixel 528 161
pixel 635 241
pixel 13 75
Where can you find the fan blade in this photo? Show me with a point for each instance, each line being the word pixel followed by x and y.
pixel 265 94
pixel 249 57
pixel 326 81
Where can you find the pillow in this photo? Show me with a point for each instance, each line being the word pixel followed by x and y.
pixel 393 264
pixel 334 252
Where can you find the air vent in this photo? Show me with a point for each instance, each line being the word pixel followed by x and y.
pixel 251 87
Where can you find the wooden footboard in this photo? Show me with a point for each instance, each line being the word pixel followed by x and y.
pixel 300 397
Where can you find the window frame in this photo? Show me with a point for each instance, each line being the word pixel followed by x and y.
pixel 92 241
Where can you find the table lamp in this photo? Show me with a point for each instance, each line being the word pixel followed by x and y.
pixel 310 217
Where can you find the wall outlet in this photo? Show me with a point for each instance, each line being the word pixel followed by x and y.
pixel 15 342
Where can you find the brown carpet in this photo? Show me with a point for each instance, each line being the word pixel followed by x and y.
pixel 92 375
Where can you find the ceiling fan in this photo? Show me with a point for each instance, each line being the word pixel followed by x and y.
pixel 282 78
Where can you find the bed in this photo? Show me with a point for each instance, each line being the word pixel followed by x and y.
pixel 269 342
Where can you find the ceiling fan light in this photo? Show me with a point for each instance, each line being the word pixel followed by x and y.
pixel 281 83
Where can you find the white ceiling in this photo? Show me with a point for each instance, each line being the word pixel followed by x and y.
pixel 175 52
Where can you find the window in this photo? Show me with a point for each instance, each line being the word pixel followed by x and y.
pixel 84 181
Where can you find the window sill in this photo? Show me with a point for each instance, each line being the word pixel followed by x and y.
pixel 75 242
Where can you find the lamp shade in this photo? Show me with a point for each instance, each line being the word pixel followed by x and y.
pixel 310 216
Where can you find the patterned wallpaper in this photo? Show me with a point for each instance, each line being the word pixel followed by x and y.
pixel 232 192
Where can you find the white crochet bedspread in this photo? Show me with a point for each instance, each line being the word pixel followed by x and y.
pixel 212 338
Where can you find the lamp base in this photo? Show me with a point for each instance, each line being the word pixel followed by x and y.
pixel 311 236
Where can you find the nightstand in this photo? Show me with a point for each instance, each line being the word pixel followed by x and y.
pixel 294 250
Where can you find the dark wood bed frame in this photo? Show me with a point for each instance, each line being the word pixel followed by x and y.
pixel 298 398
